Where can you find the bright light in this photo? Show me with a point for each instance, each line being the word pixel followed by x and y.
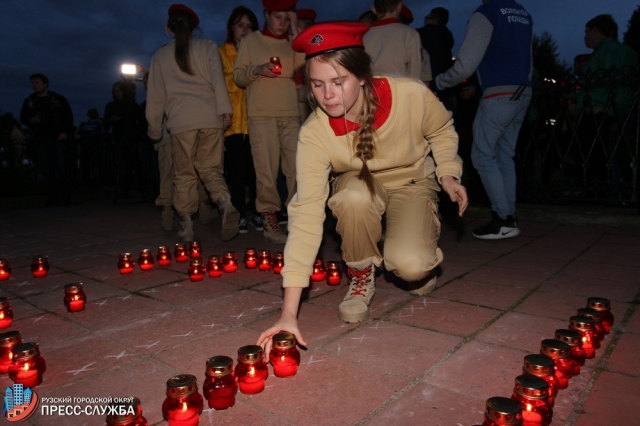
pixel 129 69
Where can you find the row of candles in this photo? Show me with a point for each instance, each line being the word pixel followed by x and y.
pixel 184 403
pixel 544 374
pixel 216 265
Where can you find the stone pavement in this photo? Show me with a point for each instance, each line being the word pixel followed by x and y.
pixel 417 361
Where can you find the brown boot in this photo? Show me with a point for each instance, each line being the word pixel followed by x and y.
pixel 362 286
pixel 427 285
pixel 272 231
pixel 167 218
pixel 187 228
pixel 230 217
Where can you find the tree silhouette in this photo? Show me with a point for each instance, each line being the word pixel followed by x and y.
pixel 632 36
pixel 545 57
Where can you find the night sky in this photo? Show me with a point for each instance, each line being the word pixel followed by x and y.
pixel 80 45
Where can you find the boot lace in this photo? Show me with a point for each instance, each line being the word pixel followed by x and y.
pixel 361 278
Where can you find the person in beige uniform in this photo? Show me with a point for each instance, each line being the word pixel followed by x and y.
pixel 391 145
pixel 187 87
pixel 272 108
pixel 395 48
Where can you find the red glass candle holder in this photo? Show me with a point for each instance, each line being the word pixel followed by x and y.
pixel 126 263
pixel 195 250
pixel 5 270
pixel 596 316
pixel 542 366
pixel 6 313
pixel 8 340
pixel 604 306
pixel 275 60
pixel 264 260
pixel 532 393
pixel 560 353
pixel 501 411
pixel 214 266
pixel 574 340
pixel 145 260
pixel 183 404
pixel 278 262
pixel 334 273
pixel 220 386
pixel 250 258
pixel 284 355
pixel 319 272
pixel 28 366
pixel 40 266
pixel 586 327
pixel 164 256
pixel 230 262
pixel 196 270
pixel 126 414
pixel 180 253
pixel 251 371
pixel 74 297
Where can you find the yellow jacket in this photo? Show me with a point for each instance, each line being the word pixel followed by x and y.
pixel 237 95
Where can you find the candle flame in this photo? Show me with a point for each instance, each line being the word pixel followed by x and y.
pixel 184 407
pixel 282 358
pixel 1 315
pixel 529 407
pixel 26 366
pixel 252 371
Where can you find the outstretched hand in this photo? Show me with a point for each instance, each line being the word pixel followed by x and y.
pixel 457 193
pixel 285 323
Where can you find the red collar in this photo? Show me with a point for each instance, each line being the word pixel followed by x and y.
pixel 265 32
pixel 381 22
pixel 382 93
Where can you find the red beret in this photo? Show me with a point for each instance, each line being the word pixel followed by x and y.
pixel 329 37
pixel 182 8
pixel 279 4
pixel 405 12
pixel 309 14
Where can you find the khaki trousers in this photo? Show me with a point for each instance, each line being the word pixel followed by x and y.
pixel 412 225
pixel 274 142
pixel 165 167
pixel 197 153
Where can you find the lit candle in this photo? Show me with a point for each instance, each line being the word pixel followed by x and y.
pixel 195 250
pixel 586 327
pixel 501 411
pixel 604 306
pixel 28 366
pixel 6 313
pixel 334 273
pixel 126 263
pixel 214 266
pixel 40 266
pixel 318 270
pixel 542 366
pixel 74 297
pixel 251 371
pixel 574 340
pixel 230 262
pixel 275 60
pixel 164 256
pixel 596 316
pixel 126 413
pixel 250 260
pixel 145 260
pixel 8 340
pixel 183 404
pixel 532 394
pixel 196 270
pixel 264 260
pixel 284 355
pixel 181 254
pixel 5 269
pixel 560 353
pixel 278 262
pixel 220 386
